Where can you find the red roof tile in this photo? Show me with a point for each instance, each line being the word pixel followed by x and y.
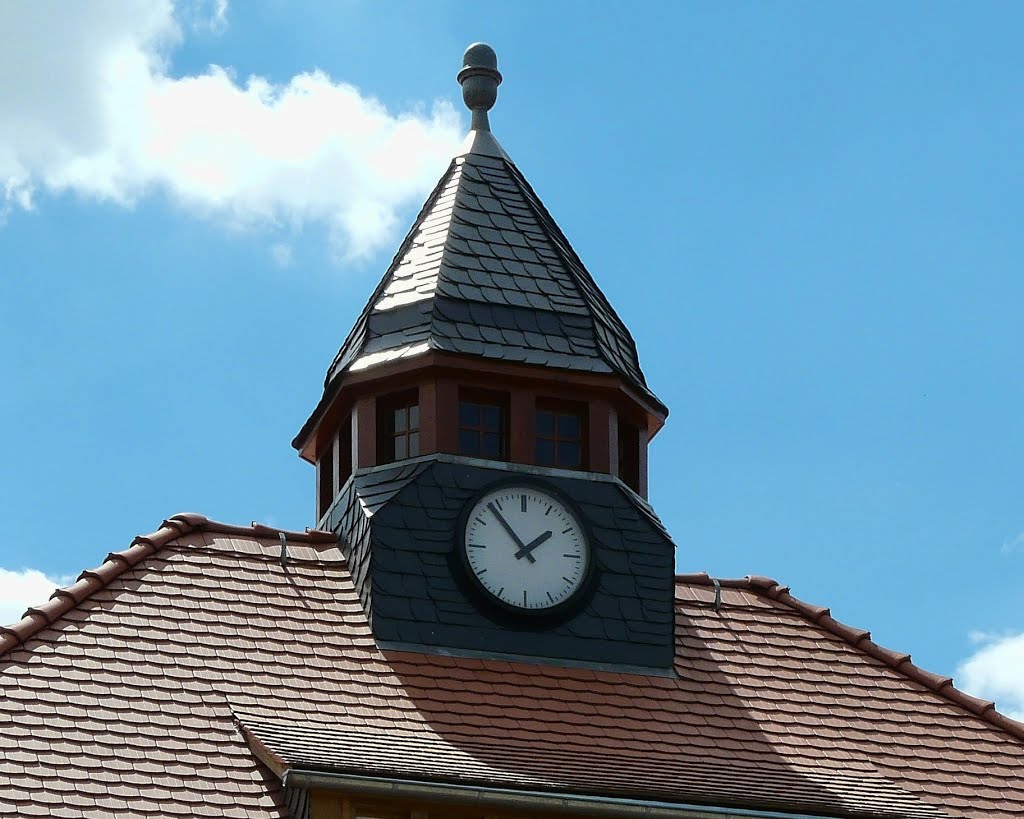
pixel 144 687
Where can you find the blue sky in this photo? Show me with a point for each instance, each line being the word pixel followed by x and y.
pixel 808 214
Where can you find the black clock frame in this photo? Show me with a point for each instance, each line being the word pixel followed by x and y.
pixel 497 608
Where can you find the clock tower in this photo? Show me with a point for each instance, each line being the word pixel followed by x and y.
pixel 481 442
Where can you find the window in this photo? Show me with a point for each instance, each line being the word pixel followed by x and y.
pixel 629 454
pixel 344 452
pixel 398 427
pixel 483 426
pixel 560 432
pixel 325 479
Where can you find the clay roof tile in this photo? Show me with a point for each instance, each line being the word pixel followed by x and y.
pixel 204 674
pixel 861 640
pixel 115 564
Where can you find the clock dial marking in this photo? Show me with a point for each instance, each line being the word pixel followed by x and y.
pixel 526 562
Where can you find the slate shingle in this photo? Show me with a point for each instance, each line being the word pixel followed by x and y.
pixel 484 238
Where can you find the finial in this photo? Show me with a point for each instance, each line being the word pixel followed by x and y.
pixel 480 79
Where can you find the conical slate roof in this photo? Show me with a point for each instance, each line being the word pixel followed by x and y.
pixel 486 271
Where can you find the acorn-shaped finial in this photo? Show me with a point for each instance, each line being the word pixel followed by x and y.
pixel 480 79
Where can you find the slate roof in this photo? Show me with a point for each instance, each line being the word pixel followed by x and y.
pixel 485 271
pixel 146 688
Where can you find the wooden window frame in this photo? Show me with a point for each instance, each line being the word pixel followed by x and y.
pixel 484 398
pixel 629 460
pixel 387 432
pixel 580 410
pixel 325 489
pixel 343 458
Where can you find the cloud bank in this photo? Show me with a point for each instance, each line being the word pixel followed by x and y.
pixel 996 672
pixel 90 108
pixel 24 588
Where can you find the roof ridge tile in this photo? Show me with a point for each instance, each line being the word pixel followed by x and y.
pixel 90 581
pixel 861 640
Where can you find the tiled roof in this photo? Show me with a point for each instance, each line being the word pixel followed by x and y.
pixel 143 688
pixel 486 271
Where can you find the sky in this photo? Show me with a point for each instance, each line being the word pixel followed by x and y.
pixel 808 214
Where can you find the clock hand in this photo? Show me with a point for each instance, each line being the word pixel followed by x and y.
pixel 527 550
pixel 508 529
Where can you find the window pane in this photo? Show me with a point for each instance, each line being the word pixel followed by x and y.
pixel 414 445
pixel 399 420
pixel 568 453
pixel 545 452
pixel 414 416
pixel 400 448
pixel 492 445
pixel 469 442
pixel 545 422
pixel 491 418
pixel 568 426
pixel 469 414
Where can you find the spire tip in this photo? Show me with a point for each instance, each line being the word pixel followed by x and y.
pixel 480 79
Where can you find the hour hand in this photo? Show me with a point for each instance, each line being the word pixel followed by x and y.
pixel 527 550
pixel 512 534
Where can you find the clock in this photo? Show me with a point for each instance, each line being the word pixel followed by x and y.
pixel 525 547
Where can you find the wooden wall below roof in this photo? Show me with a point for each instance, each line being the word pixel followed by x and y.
pixel 328 805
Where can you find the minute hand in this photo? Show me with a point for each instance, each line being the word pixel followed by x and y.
pixel 507 528
pixel 527 550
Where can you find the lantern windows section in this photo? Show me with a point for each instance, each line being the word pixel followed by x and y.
pixel 629 454
pixel 325 481
pixel 561 434
pixel 483 424
pixel 398 427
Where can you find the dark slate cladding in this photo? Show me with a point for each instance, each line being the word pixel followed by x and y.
pixel 296 803
pixel 486 271
pixel 414 244
pixel 404 556
pixel 351 512
pixel 515 334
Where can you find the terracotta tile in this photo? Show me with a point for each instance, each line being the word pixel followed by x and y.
pixel 132 691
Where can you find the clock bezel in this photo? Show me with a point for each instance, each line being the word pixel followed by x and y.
pixel 539 616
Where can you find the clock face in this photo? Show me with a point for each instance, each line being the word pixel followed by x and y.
pixel 526 547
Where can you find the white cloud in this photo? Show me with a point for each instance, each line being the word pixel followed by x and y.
pixel 205 15
pixel 1013 544
pixel 996 671
pixel 24 588
pixel 89 107
pixel 282 254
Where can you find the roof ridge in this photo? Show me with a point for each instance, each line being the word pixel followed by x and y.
pixel 860 639
pixel 331 381
pixel 589 289
pixel 90 581
pixel 393 265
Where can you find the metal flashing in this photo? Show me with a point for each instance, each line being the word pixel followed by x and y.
pixel 502 798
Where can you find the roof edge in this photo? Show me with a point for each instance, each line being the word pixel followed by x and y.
pixel 578 271
pixel 861 640
pixel 511 798
pixel 90 581
pixel 332 381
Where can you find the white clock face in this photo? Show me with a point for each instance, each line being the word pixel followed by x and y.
pixel 526 547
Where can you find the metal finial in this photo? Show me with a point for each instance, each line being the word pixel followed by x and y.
pixel 480 79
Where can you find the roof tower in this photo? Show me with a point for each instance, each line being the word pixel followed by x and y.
pixel 484 275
